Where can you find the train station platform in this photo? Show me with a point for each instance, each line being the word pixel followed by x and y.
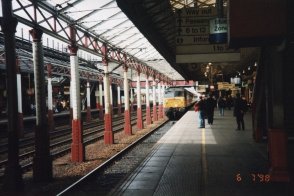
pixel 213 161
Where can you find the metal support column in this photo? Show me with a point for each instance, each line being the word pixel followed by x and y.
pixel 77 146
pixel 140 124
pixel 127 126
pixel 159 100
pixel 13 174
pixel 277 137
pixel 148 112
pixel 50 100
pixel 42 162
pixel 88 102
pixel 101 114
pixel 155 116
pixel 19 99
pixel 118 101
pixel 108 132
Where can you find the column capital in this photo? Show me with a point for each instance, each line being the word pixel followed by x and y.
pixel 36 34
pixel 73 48
pixel 49 70
pixel 125 68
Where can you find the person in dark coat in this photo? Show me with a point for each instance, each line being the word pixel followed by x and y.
pixel 221 103
pixel 200 107
pixel 240 107
pixel 210 105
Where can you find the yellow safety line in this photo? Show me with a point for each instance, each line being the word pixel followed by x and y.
pixel 203 160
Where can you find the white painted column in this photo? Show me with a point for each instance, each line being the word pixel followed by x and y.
pixel 118 100
pixel 75 83
pixel 88 102
pixel 140 124
pixel 101 101
pixel 148 111
pixel 49 90
pixel 155 116
pixel 138 91
pixel 127 113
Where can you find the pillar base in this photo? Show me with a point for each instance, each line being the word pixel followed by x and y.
pixel 88 118
pixel 119 109
pixel 278 155
pixel 51 120
pixel 42 161
pixel 101 115
pixel 155 117
pixel 140 124
pixel 13 179
pixel 20 124
pixel 127 125
pixel 160 108
pixel 77 146
pixel 108 132
pixel 257 135
pixel 148 116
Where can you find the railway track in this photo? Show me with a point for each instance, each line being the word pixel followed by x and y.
pixel 60 142
pixel 105 177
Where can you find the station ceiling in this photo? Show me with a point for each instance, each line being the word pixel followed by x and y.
pixel 157 21
pixel 145 29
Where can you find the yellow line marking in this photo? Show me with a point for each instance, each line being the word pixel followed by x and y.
pixel 203 159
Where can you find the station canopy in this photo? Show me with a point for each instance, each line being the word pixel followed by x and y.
pixel 104 19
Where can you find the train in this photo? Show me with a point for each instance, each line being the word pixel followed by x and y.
pixel 177 100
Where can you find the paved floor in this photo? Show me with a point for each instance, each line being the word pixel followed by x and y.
pixel 212 161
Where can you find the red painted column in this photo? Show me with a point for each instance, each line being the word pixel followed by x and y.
pixel 127 125
pixel 274 62
pixel 13 173
pixel 277 142
pixel 108 132
pixel 19 99
pixel 88 102
pixel 50 106
pixel 140 124
pixel 148 111
pixel 77 146
pixel 42 162
pixel 155 116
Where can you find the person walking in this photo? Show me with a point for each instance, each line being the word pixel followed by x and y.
pixel 221 105
pixel 240 107
pixel 210 105
pixel 200 107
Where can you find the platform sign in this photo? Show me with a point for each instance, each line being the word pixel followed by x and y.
pixel 203 49
pixel 196 30
pixel 196 12
pixel 192 40
pixel 204 58
pixel 191 21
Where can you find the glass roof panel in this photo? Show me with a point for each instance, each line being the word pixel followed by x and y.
pixel 104 19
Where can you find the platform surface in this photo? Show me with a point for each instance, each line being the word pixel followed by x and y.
pixel 213 161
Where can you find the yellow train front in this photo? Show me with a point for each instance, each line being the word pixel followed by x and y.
pixel 177 100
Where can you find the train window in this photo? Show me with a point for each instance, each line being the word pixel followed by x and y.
pixel 169 93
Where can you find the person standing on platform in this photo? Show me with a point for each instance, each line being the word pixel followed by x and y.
pixel 221 105
pixel 200 107
pixel 210 105
pixel 240 107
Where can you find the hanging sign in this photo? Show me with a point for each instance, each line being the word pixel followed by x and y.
pixel 218 30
